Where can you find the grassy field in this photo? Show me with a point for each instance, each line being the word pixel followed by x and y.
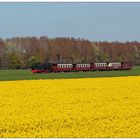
pixel 27 74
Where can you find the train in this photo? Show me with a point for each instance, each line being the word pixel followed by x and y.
pixel 59 67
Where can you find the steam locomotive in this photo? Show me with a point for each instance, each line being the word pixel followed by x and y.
pixel 54 67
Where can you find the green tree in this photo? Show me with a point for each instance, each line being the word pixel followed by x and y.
pixel 33 59
pixel 14 61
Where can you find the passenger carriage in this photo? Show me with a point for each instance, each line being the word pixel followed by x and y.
pixel 82 67
pixel 99 66
pixel 62 67
pixel 126 65
pixel 114 66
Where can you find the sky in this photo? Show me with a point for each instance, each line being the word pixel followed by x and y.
pixel 92 21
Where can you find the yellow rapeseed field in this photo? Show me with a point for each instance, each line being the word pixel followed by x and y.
pixel 97 107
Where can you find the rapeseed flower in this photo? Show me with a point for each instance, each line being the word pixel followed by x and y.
pixel 96 107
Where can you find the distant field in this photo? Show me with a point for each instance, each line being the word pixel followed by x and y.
pixel 6 75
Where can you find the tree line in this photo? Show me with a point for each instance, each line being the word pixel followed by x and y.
pixel 22 52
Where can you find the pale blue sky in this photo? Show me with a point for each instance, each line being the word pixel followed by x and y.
pixel 93 21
